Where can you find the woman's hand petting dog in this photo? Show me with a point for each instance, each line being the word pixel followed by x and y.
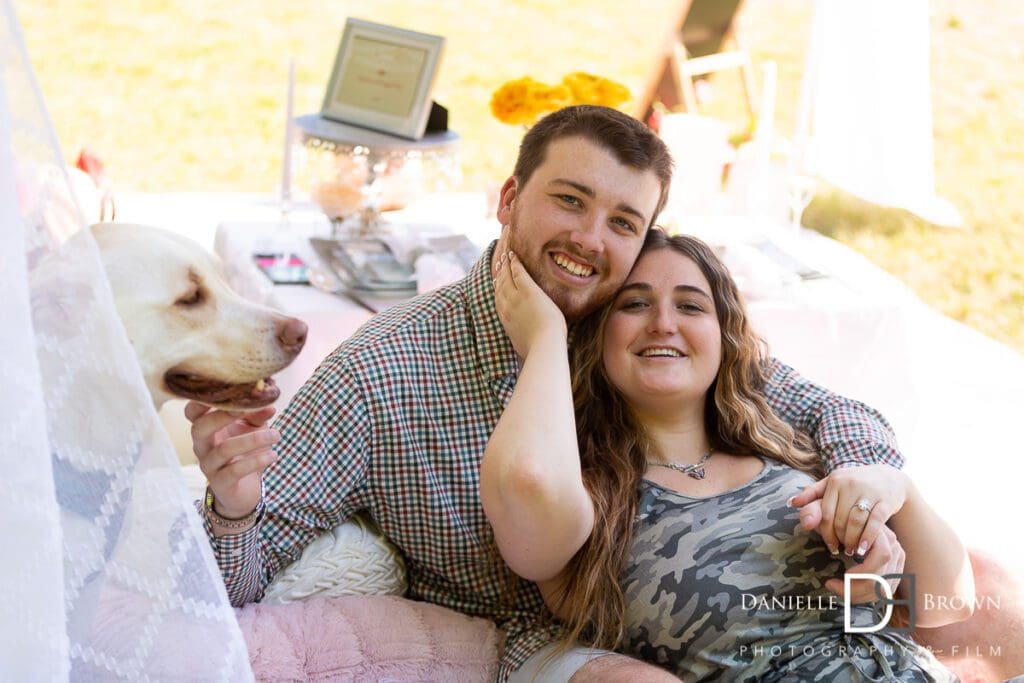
pixel 233 449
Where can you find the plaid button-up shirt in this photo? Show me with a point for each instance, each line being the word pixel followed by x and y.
pixel 395 422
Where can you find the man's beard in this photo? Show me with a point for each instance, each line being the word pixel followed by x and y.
pixel 575 304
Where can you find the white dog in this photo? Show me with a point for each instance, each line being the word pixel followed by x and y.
pixel 197 339
pixel 194 337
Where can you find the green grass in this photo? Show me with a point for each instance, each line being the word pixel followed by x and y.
pixel 189 95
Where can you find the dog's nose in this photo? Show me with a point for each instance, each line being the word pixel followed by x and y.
pixel 291 332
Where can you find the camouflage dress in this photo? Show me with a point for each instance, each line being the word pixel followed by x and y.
pixel 731 588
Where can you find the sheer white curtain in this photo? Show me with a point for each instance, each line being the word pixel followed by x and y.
pixel 866 104
pixel 107 574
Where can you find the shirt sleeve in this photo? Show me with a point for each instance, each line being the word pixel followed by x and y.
pixel 846 432
pixel 318 481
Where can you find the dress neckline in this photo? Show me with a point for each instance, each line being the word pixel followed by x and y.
pixel 766 465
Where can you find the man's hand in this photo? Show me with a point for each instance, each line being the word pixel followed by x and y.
pixel 886 556
pixel 856 502
pixel 233 450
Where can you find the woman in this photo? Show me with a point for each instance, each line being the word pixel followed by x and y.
pixel 673 540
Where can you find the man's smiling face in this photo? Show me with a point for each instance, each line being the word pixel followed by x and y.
pixel 578 223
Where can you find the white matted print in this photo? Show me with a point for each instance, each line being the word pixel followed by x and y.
pixel 382 78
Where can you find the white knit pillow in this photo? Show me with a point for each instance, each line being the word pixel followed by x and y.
pixel 351 559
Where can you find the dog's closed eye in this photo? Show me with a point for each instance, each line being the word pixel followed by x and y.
pixel 193 298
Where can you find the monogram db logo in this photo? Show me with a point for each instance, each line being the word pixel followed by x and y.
pixel 883 606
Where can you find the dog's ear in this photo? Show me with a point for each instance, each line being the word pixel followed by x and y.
pixel 60 292
pixel 73 309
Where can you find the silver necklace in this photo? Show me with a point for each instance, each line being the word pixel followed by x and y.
pixel 696 470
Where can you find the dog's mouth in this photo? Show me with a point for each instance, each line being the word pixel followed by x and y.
pixel 221 394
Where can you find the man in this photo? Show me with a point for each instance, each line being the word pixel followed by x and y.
pixel 396 420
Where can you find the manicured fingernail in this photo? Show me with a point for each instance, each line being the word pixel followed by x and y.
pixel 789 502
pixel 833 550
pixel 862 549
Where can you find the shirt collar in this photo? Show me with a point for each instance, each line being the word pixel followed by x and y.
pixel 495 356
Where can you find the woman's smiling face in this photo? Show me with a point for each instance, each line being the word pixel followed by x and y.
pixel 662 339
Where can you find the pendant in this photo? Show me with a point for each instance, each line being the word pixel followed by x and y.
pixel 696 470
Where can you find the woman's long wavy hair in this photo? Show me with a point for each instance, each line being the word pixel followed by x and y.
pixel 614 446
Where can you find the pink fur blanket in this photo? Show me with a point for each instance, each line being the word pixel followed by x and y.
pixel 367 638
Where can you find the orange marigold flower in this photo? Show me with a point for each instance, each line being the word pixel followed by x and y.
pixel 589 89
pixel 525 100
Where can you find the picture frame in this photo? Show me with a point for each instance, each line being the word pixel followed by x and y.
pixel 382 78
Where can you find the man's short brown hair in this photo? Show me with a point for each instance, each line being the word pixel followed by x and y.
pixel 632 143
